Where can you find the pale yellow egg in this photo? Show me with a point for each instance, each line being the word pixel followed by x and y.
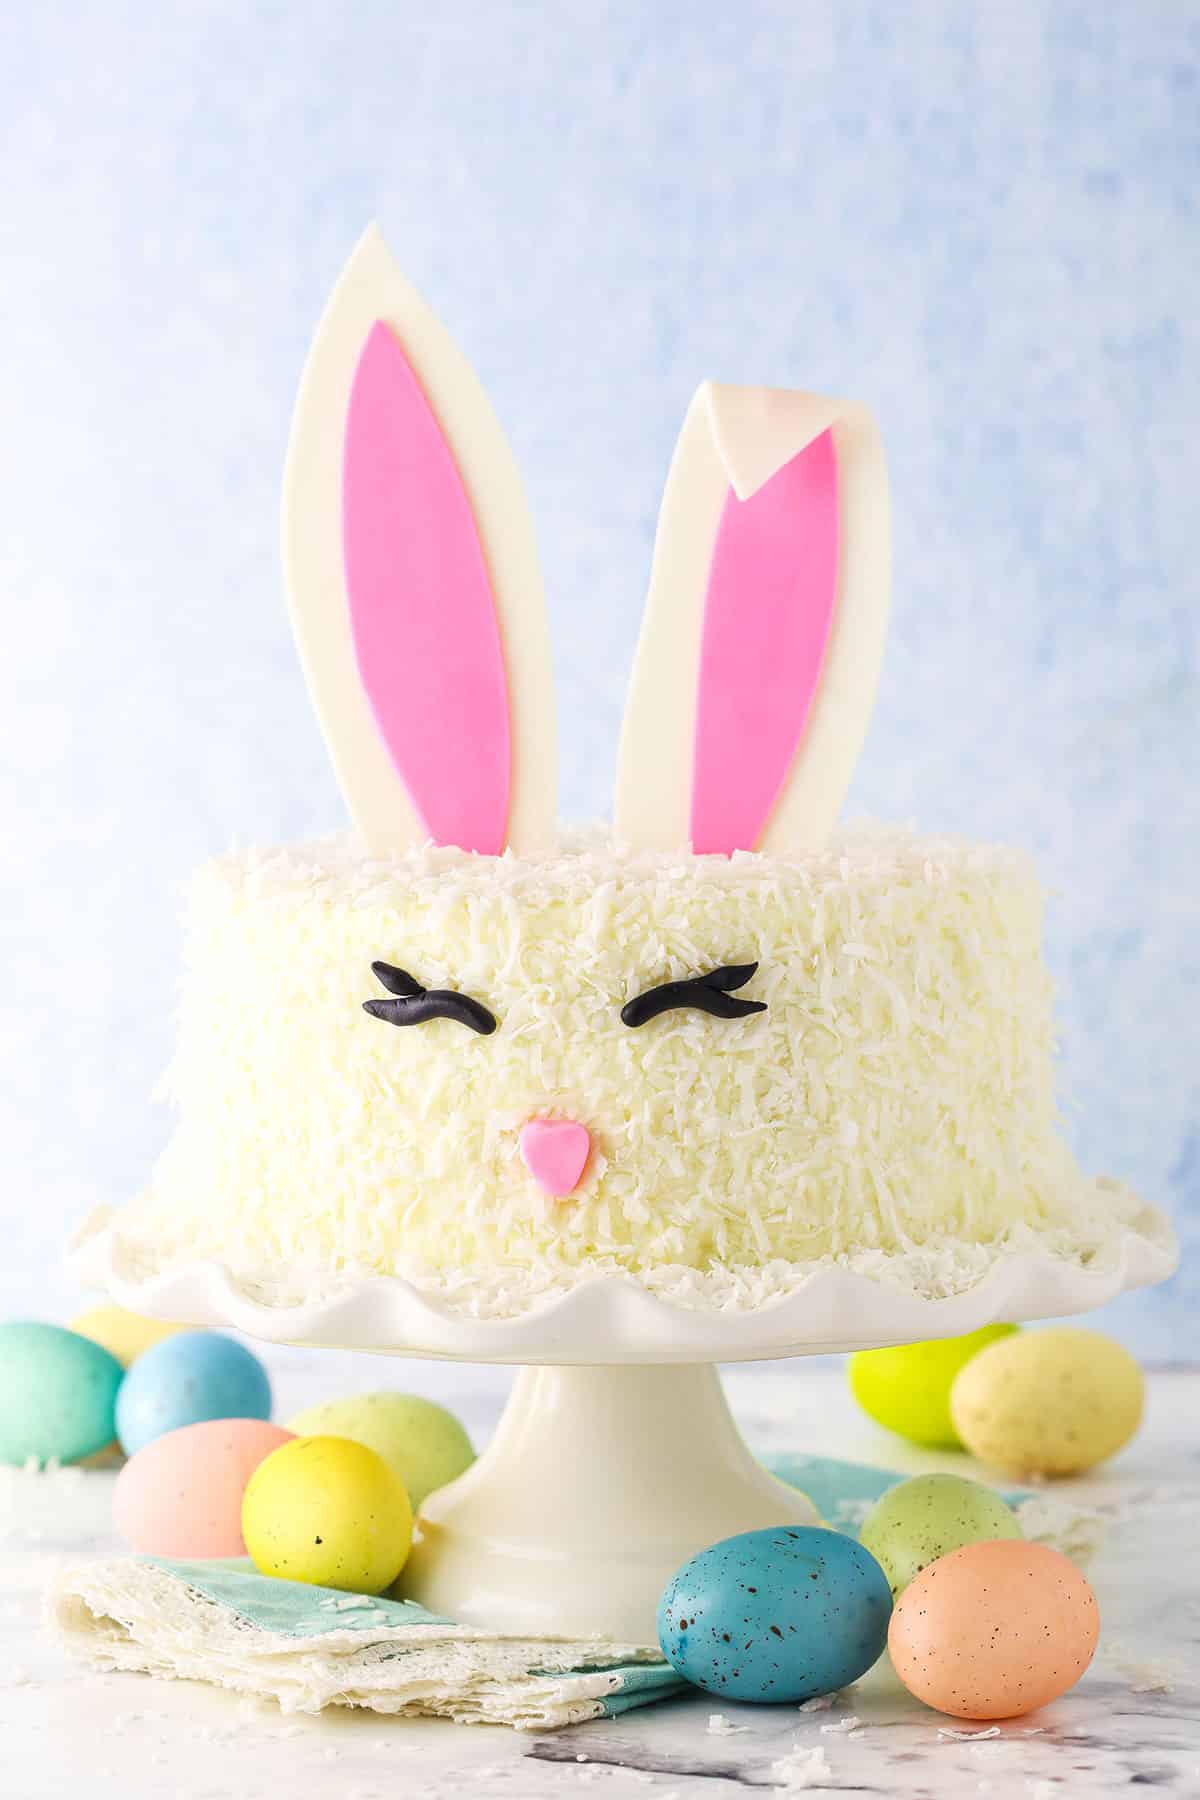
pixel 124 1335
pixel 1050 1402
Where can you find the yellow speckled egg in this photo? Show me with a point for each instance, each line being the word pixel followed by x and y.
pixel 123 1334
pixel 329 1512
pixel 1048 1402
pixel 907 1388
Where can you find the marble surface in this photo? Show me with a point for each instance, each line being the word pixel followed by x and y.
pixel 1133 1723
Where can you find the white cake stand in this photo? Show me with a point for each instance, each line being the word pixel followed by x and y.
pixel 616 1457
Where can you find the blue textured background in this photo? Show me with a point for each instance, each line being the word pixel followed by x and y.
pixel 980 219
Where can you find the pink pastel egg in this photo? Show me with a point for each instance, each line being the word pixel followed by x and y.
pixel 181 1495
pixel 994 1630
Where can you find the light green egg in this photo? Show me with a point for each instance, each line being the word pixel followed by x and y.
pixel 57 1394
pixel 423 1443
pixel 919 1520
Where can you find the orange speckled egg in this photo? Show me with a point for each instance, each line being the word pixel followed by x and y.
pixel 181 1494
pixel 994 1630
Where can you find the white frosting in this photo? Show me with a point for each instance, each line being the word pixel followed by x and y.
pixel 892 1109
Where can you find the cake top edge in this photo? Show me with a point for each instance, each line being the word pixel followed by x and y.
pixel 864 854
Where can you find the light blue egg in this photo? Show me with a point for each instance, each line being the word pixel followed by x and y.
pixel 192 1376
pixel 57 1393
pixel 784 1614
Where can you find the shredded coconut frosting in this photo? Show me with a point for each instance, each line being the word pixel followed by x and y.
pixel 892 1109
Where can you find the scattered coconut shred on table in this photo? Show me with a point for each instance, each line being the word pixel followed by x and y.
pixel 720 1726
pixel 802 1768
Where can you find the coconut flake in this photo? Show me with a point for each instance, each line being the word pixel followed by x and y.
pixel 891 1113
pixel 802 1768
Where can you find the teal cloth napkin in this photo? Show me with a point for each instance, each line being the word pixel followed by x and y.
pixel 310 1647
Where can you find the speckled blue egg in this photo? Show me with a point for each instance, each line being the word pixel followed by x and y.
pixel 784 1614
pixel 57 1391
pixel 192 1376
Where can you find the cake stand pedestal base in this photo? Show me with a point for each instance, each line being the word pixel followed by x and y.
pixel 599 1483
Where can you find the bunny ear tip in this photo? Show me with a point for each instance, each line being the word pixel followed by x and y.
pixel 758 430
pixel 371 238
pixel 371 262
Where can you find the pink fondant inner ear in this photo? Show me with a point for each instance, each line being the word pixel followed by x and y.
pixel 772 588
pixel 422 611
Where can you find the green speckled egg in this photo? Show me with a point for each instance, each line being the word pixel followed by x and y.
pixel 58 1392
pixel 919 1520
pixel 423 1442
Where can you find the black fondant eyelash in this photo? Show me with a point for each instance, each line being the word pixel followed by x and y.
pixel 710 993
pixel 413 1004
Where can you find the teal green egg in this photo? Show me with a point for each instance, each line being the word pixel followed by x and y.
pixel 920 1520
pixel 779 1615
pixel 58 1394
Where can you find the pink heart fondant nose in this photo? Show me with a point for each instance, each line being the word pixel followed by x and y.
pixel 554 1151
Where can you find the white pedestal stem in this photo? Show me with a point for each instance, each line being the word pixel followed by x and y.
pixel 598 1484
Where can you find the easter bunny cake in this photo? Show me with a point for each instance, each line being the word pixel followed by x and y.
pixel 724 1045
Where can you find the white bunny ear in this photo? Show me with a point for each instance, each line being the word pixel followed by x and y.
pixel 413 573
pixel 764 628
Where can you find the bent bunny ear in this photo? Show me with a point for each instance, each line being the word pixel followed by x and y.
pixel 764 628
pixel 413 573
